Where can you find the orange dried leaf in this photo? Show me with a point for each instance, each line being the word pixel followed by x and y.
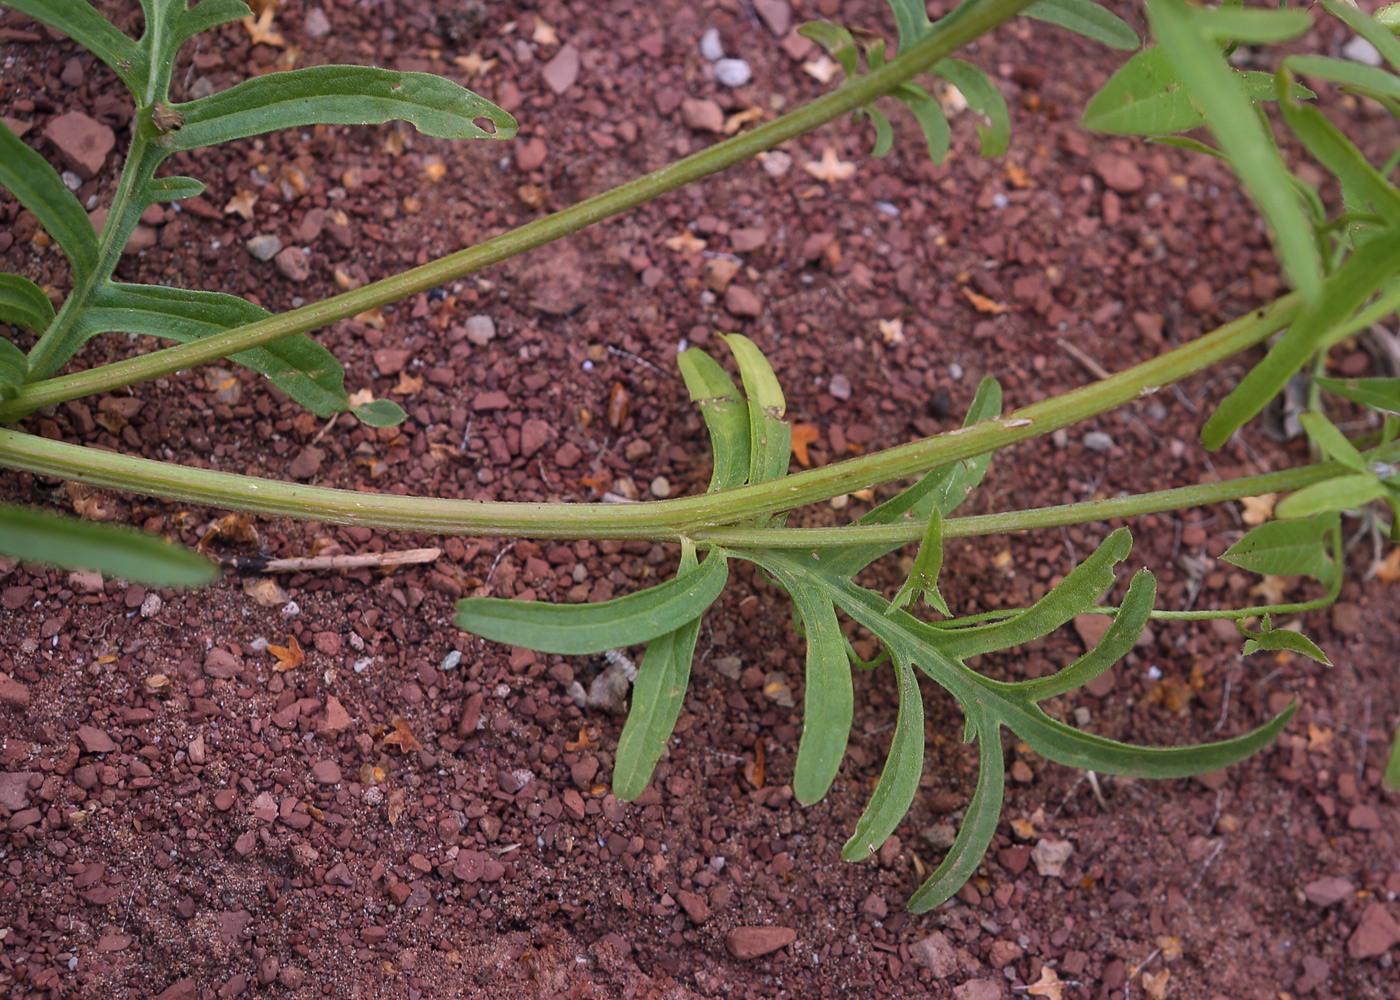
pixel 1258 509
pixel 686 242
pixel 737 121
pixel 289 656
pixel 402 737
pixel 1388 569
pixel 408 385
pixel 242 204
pixel 260 31
pixel 397 805
pixel 753 771
pixel 583 742
pixel 1048 985
pixel 1017 176
pixel 830 167
pixel 983 304
pixel 802 436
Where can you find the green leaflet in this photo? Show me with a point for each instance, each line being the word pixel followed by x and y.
pixel 37 186
pixel 726 416
pixel 297 365
pixel 35 536
pixel 1343 292
pixel 1282 638
pixel 24 303
pixel 380 413
pixel 899 781
pixel 828 702
pixel 1086 18
pixel 80 21
pixel 1381 393
pixel 1288 548
pixel 1343 493
pixel 1251 24
pixel 345 95
pixel 14 366
pixel 1368 28
pixel 770 440
pixel 1242 137
pixel 657 696
pixel 838 42
pixel 174 188
pixel 932 121
pixel 205 15
pixel 593 628
pixel 1391 778
pixel 923 577
pixel 1333 442
pixel 984 98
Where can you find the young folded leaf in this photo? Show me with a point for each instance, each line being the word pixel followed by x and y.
pixel 770 439
pixel 112 550
pixel 23 303
pixel 1333 442
pixel 593 628
pixel 923 578
pixel 1270 638
pixel 726 416
pixel 14 366
pixel 1381 393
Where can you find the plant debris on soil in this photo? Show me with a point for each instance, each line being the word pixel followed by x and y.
pixel 312 785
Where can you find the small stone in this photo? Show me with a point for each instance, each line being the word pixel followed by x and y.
pixel 391 360
pixel 534 435
pixel 839 387
pixel 936 954
pixel 325 772
pixel 197 750
pixel 264 246
pixel 1004 953
pixel 875 907
pixel 1316 971
pixel 82 142
pixel 1119 173
pixel 95 740
pixel 490 401
pixel 316 25
pixel 185 989
pixel 451 661
pixel 340 875
pixel 14 790
pixel 328 642
pixel 694 904
pixel 1375 935
pixel 561 72
pixel 267 968
pixel 151 605
pixel 334 721
pixel 1050 856
pixel 530 154
pixel 1328 890
pixel 747 240
pixel 1360 50
pixel 293 264
pixel 661 487
pixel 1346 618
pixel 114 942
pixel 246 843
pixel 752 942
pixel 1098 441
pixel 1364 817
pixel 13 694
pixel 776 14
pixel 711 46
pixel 978 989
pixel 732 73
pixel 470 866
pixel 1200 298
pixel 741 302
pixel 702 116
pixel 85 581
pixel 291 977
pixel 481 329
pixel 307 463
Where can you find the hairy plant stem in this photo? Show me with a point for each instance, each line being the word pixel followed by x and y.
pixel 695 517
pixel 948 35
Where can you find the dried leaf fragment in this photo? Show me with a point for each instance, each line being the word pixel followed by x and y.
pixel 1048 985
pixel 544 33
pixel 260 31
pixel 892 330
pixel 985 305
pixel 289 657
pixel 830 167
pixel 686 242
pixel 753 770
pixel 584 742
pixel 1154 984
pixel 402 737
pixel 1258 509
pixel 802 436
pixel 408 384
pixel 1388 569
pixel 738 120
pixel 397 804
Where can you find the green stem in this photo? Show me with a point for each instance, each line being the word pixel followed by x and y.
pixel 946 37
pixel 666 520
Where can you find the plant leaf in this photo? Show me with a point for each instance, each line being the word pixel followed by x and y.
pixel 984 98
pixel 910 20
pixel 297 365
pixel 173 188
pixel 837 41
pixel 657 696
pixel 1391 778
pixel 80 21
pixel 37 186
pixel 345 95
pixel 14 368
pixel 1343 292
pixel 209 14
pixel 1086 18
pixel 979 823
pixel 929 114
pixel 593 628
pixel 726 416
pixel 923 577
pixel 1145 97
pixel 1343 493
pixel 1251 151
pixel 884 134
pixel 37 536
pixel 1333 442
pixel 1287 548
pixel 899 781
pixel 1281 638
pixel 380 413
pixel 828 703
pixel 1368 28
pixel 770 440
pixel 24 303
pixel 1381 393
pixel 1122 635
pixel 1254 25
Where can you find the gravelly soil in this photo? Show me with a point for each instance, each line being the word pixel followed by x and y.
pixel 392 819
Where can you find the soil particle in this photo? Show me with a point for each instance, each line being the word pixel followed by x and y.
pixel 561 72
pixel 222 664
pixel 742 302
pixel 185 989
pixel 14 790
pixel 333 721
pixel 294 264
pixel 1119 172
pixel 1375 935
pixel 1050 856
pixel 937 954
pixel 82 142
pixel 307 463
pixel 1328 890
pixel 978 989
pixel 325 772
pixel 95 740
pixel 752 942
pixel 13 694
pixel 702 115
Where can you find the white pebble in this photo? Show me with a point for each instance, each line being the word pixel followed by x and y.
pixel 291 609
pixel 733 72
pixel 1362 51
pixel 450 661
pixel 1098 441
pixel 711 48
